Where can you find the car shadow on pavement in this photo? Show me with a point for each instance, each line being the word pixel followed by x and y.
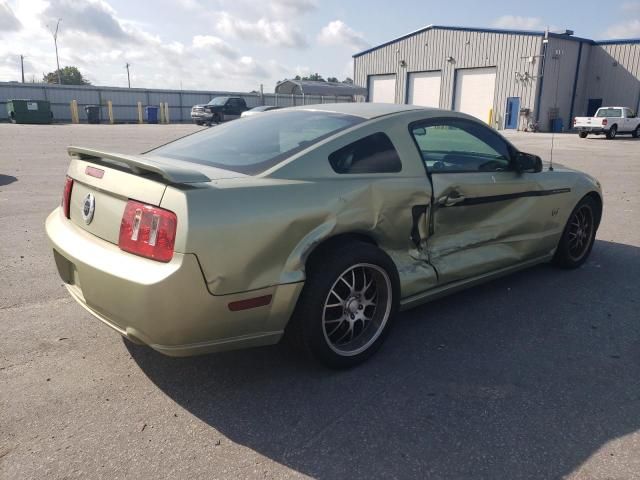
pixel 7 179
pixel 524 377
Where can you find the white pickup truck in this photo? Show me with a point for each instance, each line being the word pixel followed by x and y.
pixel 609 121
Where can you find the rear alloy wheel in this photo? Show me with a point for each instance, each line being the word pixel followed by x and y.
pixel 578 236
pixel 356 309
pixel 613 131
pixel 582 134
pixel 347 304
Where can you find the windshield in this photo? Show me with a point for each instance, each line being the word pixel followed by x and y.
pixel 218 101
pixel 609 112
pixel 254 144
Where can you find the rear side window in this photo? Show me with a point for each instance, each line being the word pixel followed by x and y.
pixel 372 154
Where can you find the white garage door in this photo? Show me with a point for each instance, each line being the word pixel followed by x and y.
pixel 382 88
pixel 424 89
pixel 475 88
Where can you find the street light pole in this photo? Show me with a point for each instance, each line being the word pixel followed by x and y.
pixel 22 66
pixel 55 42
pixel 128 77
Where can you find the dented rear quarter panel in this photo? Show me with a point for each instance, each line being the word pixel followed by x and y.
pixel 249 233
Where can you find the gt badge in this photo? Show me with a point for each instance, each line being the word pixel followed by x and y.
pixel 88 208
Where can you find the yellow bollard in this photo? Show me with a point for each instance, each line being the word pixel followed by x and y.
pixel 110 111
pixel 74 112
pixel 139 112
pixel 490 122
pixel 161 108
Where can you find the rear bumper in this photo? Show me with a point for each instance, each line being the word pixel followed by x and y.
pixel 164 305
pixel 596 130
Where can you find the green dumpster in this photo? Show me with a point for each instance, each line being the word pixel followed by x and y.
pixel 29 111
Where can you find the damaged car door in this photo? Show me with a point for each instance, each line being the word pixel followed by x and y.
pixel 484 214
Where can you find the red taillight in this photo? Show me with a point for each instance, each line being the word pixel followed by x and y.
pixel 66 197
pixel 604 121
pixel 575 120
pixel 148 231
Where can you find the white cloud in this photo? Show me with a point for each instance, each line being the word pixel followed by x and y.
pixel 8 20
pixel 216 44
pixel 94 17
pixel 99 41
pixel 519 23
pixel 272 32
pixel 339 33
pixel 630 29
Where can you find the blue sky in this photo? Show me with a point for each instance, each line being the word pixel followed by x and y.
pixel 239 44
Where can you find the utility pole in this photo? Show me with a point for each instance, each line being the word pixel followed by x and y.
pixel 128 78
pixel 55 42
pixel 22 66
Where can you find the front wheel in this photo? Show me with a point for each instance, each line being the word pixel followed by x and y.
pixel 582 134
pixel 613 131
pixel 578 236
pixel 347 305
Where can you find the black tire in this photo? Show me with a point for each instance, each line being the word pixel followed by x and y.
pixel 312 318
pixel 577 240
pixel 636 132
pixel 199 123
pixel 613 131
pixel 583 134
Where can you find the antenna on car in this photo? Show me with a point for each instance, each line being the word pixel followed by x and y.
pixel 556 56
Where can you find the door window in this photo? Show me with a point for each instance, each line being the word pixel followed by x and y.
pixel 457 145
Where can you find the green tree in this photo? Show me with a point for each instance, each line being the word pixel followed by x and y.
pixel 315 77
pixel 68 75
pixel 348 80
pixel 332 79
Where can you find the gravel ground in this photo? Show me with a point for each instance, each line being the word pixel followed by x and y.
pixel 531 376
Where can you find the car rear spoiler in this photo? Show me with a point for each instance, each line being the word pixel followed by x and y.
pixel 171 170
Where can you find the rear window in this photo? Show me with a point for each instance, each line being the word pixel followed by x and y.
pixel 254 144
pixel 609 112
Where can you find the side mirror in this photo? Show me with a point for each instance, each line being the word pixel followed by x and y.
pixel 420 131
pixel 526 162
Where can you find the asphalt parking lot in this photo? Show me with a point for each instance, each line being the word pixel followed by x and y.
pixel 535 375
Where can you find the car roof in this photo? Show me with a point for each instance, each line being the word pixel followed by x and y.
pixel 362 109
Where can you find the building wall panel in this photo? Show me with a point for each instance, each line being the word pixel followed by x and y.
pixel 431 49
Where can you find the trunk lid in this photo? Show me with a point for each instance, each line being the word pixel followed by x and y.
pixel 109 180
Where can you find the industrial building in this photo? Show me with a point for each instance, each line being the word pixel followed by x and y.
pixel 510 79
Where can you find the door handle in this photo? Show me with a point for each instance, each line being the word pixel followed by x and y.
pixel 451 199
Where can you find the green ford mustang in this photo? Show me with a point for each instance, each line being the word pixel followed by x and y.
pixel 317 222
